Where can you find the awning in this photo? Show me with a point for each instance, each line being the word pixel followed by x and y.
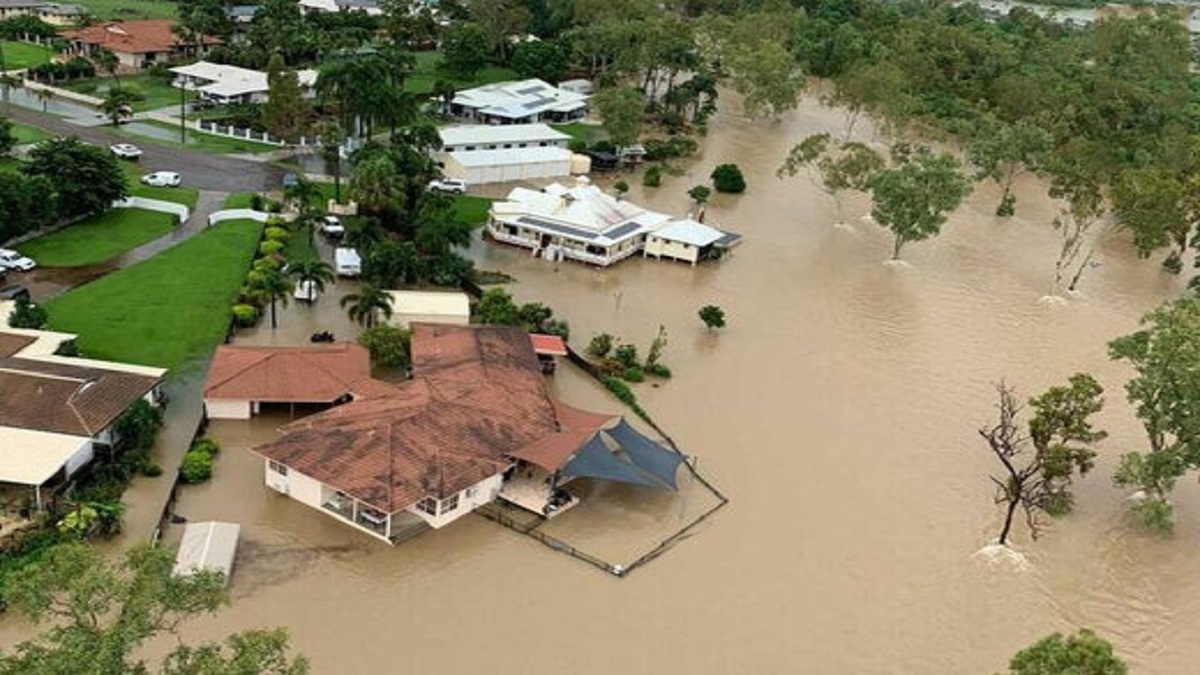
pixel 550 345
pixel 595 460
pixel 32 457
pixel 648 455
pixel 209 545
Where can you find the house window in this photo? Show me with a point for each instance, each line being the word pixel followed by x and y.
pixel 278 468
pixel 507 146
pixel 450 503
pixel 428 505
pixel 521 145
pixel 469 147
pixel 543 144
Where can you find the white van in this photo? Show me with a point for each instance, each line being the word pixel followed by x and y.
pixel 347 262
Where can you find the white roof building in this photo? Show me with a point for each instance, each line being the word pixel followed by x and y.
pixel 229 84
pixel 531 100
pixel 430 307
pixel 475 137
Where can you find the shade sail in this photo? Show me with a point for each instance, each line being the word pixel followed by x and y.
pixel 645 453
pixel 595 460
pixel 551 452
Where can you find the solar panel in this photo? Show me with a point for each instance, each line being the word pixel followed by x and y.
pixel 530 90
pixel 555 227
pixel 537 103
pixel 622 230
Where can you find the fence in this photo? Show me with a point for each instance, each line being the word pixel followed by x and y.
pixel 178 210
pixel 67 94
pixel 238 214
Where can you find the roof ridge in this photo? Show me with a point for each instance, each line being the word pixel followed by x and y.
pixel 261 356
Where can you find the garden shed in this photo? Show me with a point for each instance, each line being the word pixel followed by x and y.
pixel 447 307
pixel 503 165
pixel 209 545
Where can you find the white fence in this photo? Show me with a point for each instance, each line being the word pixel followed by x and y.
pixel 240 214
pixel 154 205
pixel 64 93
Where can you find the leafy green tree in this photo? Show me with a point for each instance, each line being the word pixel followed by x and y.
pixel 273 285
pixel 7 140
pixel 622 110
pixel 1165 354
pixel 1158 208
pixel 1001 152
pixel 540 59
pixel 118 102
pixel 107 61
pixel 252 652
pixel 86 179
pixel 496 307
pixel 1077 180
pixel 700 194
pixel 1083 653
pixel 833 167
pixel 25 314
pixel 279 26
pixel 728 178
pixel 286 113
pixel 391 263
pixel 138 427
pixel 375 185
pixel 389 345
pixel 365 306
pixel 913 198
pixel 332 136
pixel 466 48
pixel 101 612
pixel 600 345
pixel 712 316
pixel 1039 465
pixel 311 273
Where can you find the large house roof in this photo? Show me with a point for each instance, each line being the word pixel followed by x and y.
pixel 476 397
pixel 490 134
pixel 583 212
pixel 318 374
pixel 65 398
pixel 229 81
pixel 11 343
pixel 519 99
pixel 132 37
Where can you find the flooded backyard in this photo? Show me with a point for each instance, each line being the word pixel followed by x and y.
pixel 838 411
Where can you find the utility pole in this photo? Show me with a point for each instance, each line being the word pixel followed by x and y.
pixel 183 109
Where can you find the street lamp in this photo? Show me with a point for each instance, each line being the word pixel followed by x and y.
pixel 183 109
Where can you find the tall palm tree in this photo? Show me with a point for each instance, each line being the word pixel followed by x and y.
pixel 275 285
pixel 311 274
pixel 109 63
pixel 366 305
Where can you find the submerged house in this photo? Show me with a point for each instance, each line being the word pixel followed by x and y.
pixel 57 413
pixel 586 224
pixel 475 423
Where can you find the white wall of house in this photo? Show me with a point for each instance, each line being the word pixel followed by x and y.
pixel 227 409
pixel 294 484
pixel 81 457
pixel 467 501
pixel 665 248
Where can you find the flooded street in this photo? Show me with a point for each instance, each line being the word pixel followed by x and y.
pixel 838 411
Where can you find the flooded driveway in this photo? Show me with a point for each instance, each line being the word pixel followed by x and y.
pixel 837 410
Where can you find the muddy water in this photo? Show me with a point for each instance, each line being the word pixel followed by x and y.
pixel 838 411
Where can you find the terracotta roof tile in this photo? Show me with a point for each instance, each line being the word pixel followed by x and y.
pixel 318 374
pixel 132 37
pixel 11 343
pixel 64 398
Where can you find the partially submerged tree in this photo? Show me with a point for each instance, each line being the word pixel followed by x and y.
pixel 1082 653
pixel 1078 183
pixel 1159 208
pixel 1040 462
pixel 832 166
pixel 712 316
pixel 700 194
pixel 366 306
pixel 622 110
pixel 1165 353
pixel 913 197
pixel 1002 151
pixel 102 612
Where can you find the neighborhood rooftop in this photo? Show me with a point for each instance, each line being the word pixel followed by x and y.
pixel 132 37
pixel 64 398
pixel 317 374
pixel 224 81
pixel 487 134
pixel 519 100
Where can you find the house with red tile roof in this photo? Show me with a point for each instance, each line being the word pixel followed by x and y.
pixel 137 44
pixel 475 422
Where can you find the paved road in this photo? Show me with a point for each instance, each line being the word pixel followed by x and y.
pixel 200 170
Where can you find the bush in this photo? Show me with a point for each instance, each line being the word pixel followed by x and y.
pixel 275 233
pixel 389 345
pixel 152 470
pixel 728 178
pixel 267 263
pixel 270 247
pixel 577 145
pixel 600 345
pixel 657 370
pixel 621 390
pixel 658 149
pixel 256 202
pixel 197 467
pixel 245 315
pixel 206 445
pixel 138 427
pixel 627 355
pixel 27 315
pixel 621 187
pixel 68 348
pixel 652 177
pixel 633 374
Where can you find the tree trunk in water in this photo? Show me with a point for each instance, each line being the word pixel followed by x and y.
pixel 898 246
pixel 273 325
pixel 1082 266
pixel 1008 518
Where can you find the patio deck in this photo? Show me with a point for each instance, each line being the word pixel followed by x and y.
pixel 533 493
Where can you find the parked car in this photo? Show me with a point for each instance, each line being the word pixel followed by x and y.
pixel 454 185
pixel 12 260
pixel 332 227
pixel 14 293
pixel 126 151
pixel 162 179
pixel 347 262
pixel 306 291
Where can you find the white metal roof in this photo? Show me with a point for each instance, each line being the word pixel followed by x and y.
pixel 517 100
pixel 584 213
pixel 688 231
pixel 30 457
pixel 508 157
pixel 209 545
pixel 484 134
pixel 431 303
pixel 227 81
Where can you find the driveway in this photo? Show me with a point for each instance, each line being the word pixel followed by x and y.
pixel 200 170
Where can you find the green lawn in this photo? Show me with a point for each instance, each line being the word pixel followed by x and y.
pixel 588 133
pixel 27 134
pixel 98 239
pixel 24 55
pixel 157 92
pixel 168 310
pixel 125 10
pixel 421 80
pixel 179 195
pixel 200 142
pixel 239 200
pixel 470 209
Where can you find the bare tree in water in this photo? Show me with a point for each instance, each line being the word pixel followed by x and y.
pixel 1040 460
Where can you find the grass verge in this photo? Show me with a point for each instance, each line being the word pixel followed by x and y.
pixel 179 195
pixel 156 92
pixel 201 142
pixel 421 80
pixel 19 55
pixel 98 239
pixel 27 134
pixel 124 10
pixel 588 133
pixel 168 310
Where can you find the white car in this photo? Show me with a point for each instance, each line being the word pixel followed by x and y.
pixel 162 179
pixel 347 262
pixel 454 185
pixel 126 151
pixel 11 260
pixel 332 227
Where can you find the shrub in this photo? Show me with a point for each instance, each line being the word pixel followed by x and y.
pixel 197 467
pixel 712 316
pixel 627 355
pixel 633 374
pixel 152 470
pixel 652 177
pixel 67 348
pixel 138 427
pixel 621 390
pixel 600 345
pixel 658 149
pixel 256 202
pixel 27 315
pixel 206 445
pixel 621 187
pixel 270 247
pixel 389 345
pixel 245 315
pixel 577 145
pixel 267 263
pixel 274 233
pixel 728 178
pixel 657 370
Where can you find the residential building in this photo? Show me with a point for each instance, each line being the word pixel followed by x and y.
pixel 485 153
pixel 409 307
pixel 475 423
pixel 520 102
pixel 222 84
pixel 57 413
pixel 137 44
pixel 11 8
pixel 586 224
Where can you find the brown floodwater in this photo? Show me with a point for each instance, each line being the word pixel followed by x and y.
pixel 838 411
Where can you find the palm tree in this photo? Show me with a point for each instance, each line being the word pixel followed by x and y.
pixel 116 102
pixel 275 285
pixel 367 304
pixel 44 96
pixel 311 274
pixel 109 63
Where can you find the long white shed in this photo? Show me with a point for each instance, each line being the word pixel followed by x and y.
pixel 500 166
pixel 208 545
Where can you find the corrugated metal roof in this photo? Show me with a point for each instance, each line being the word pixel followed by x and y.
pixel 484 134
